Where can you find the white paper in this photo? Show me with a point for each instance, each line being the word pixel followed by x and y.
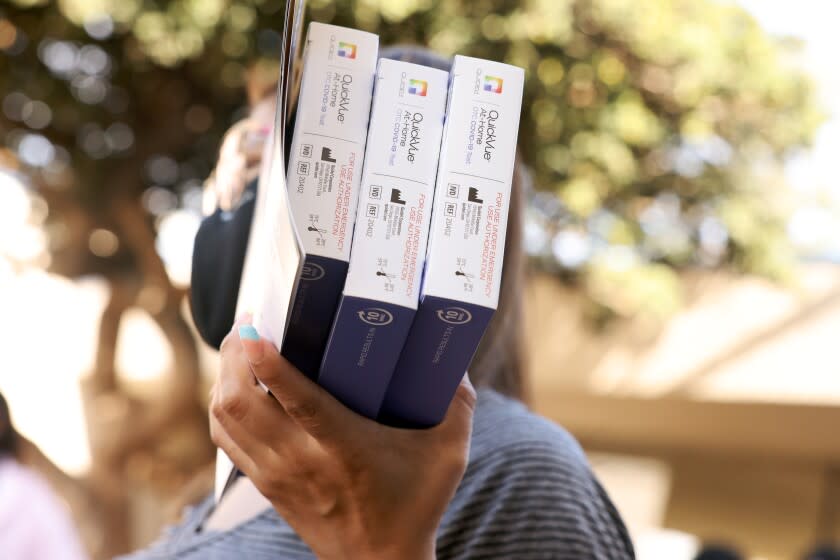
pixel 268 277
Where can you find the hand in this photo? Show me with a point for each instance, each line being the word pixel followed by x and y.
pixel 241 157
pixel 239 164
pixel 349 487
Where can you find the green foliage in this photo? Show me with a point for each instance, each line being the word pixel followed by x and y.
pixel 656 128
pixel 660 126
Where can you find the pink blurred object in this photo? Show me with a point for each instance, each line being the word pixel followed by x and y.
pixel 34 523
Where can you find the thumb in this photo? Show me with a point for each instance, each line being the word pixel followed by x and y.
pixel 457 423
pixel 310 406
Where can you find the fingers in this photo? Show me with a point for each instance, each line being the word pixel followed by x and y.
pixel 228 168
pixel 307 404
pixel 239 161
pixel 235 367
pixel 222 440
pixel 252 143
pixel 457 423
pixel 242 406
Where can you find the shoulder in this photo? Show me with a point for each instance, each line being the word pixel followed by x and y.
pixel 528 493
pixel 510 440
pixel 501 422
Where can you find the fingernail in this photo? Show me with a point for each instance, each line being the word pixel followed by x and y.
pixel 250 339
pixel 248 332
pixel 244 318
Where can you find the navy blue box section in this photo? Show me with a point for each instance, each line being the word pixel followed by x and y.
pixel 363 351
pixel 312 312
pixel 437 353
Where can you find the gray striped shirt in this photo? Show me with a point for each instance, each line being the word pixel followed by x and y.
pixel 528 494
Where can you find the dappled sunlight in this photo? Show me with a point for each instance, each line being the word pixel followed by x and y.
pixel 53 323
pixel 143 356
pixel 742 339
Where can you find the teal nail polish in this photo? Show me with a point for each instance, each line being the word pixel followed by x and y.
pixel 248 332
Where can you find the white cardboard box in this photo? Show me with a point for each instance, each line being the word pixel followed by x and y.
pixel 386 263
pixel 324 172
pixel 460 290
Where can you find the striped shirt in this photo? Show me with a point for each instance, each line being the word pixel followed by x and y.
pixel 528 494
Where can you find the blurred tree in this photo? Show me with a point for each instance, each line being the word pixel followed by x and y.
pixel 657 130
pixel 116 110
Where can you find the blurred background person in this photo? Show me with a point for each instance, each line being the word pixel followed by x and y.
pixel 34 523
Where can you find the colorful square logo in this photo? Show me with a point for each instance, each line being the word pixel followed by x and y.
pixel 418 87
pixel 493 84
pixel 346 50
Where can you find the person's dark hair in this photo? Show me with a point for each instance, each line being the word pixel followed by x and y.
pixel 500 360
pixel 824 552
pixel 8 436
pixel 718 552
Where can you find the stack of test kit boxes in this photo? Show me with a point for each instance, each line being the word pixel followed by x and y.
pixel 393 337
pixel 386 264
pixel 357 309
